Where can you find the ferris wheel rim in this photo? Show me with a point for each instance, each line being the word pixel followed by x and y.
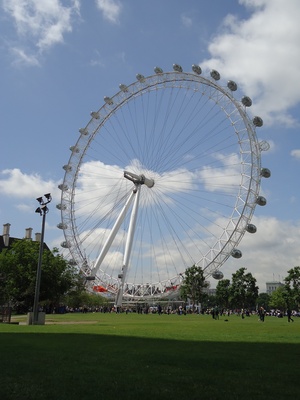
pixel 112 104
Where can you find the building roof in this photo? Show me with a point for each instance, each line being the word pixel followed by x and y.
pixel 11 240
pixel 6 240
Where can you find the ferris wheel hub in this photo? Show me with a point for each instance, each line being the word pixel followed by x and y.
pixel 139 179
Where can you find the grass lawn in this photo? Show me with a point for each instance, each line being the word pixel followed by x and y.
pixel 135 356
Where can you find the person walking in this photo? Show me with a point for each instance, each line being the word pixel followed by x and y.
pixel 262 314
pixel 289 315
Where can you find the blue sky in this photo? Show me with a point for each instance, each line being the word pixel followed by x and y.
pixel 60 58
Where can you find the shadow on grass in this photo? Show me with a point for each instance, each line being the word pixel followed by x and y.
pixel 77 366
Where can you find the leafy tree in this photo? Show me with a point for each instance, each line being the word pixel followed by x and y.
pixel 208 301
pixel 3 290
pixel 278 299
pixel 263 300
pixel 292 286
pixel 243 290
pixel 79 299
pixel 223 293
pixel 194 285
pixel 18 265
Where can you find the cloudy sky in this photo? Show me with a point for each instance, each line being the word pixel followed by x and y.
pixel 59 58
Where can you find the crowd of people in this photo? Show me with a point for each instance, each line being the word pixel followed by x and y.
pixel 215 312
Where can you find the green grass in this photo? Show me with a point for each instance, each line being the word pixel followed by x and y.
pixel 134 356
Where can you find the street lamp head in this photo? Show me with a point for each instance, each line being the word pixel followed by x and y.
pixel 42 210
pixel 42 201
pixel 48 196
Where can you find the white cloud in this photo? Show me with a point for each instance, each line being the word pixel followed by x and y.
pixel 17 184
pixel 110 9
pixel 296 153
pixel 97 61
pixel 39 25
pixel 186 21
pixel 227 177
pixel 18 202
pixel 21 57
pixel 262 54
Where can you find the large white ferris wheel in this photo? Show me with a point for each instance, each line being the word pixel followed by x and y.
pixel 165 175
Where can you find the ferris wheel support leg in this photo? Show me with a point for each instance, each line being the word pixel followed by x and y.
pixel 128 245
pixel 113 233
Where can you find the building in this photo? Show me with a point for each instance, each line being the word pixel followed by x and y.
pixel 6 239
pixel 272 286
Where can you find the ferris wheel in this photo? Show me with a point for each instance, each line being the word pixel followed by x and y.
pixel 165 175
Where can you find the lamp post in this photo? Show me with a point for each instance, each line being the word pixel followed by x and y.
pixel 42 210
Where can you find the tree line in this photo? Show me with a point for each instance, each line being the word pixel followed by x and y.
pixel 62 283
pixel 241 292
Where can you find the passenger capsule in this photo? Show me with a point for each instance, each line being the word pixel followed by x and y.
pixel 108 100
pixel 140 78
pixel 257 121
pixel 61 225
pixel 236 253
pixel 95 115
pixel 83 131
pixel 123 87
pixel 217 275
pixel 61 206
pixel 74 149
pixel 264 145
pixel 197 69
pixel 251 228
pixel 261 201
pixel 65 245
pixel 215 75
pixel 247 102
pixel 67 167
pixel 158 70
pixel 61 186
pixel 232 86
pixel 265 172
pixel 177 68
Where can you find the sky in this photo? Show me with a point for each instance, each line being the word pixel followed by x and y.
pixel 59 58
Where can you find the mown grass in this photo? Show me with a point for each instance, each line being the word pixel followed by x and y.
pixel 134 356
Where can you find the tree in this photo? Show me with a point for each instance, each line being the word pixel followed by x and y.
pixel 223 293
pixel 193 285
pixel 208 302
pixel 292 286
pixel 263 300
pixel 278 299
pixel 243 290
pixel 90 300
pixel 18 266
